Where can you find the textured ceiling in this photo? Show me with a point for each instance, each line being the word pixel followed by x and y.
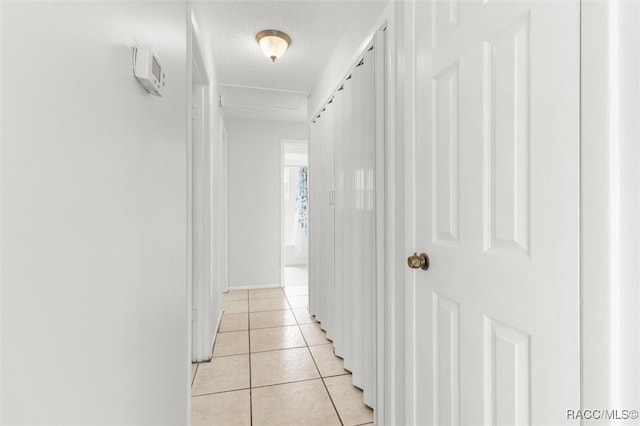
pixel 315 26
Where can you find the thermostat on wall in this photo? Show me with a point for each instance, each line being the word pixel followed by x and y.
pixel 148 71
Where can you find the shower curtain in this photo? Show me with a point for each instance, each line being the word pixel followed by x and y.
pixel 296 216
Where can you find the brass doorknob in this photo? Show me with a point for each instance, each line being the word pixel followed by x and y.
pixel 418 261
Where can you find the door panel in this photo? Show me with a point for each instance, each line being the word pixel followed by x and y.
pixel 446 360
pixel 495 204
pixel 506 139
pixel 445 156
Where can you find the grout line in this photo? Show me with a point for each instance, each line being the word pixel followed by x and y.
pixel 286 383
pixel 193 379
pixel 267 298
pixel 280 349
pixel 321 378
pixel 275 326
pixel 219 392
pixel 272 310
pixel 262 328
pixel 234 331
pixel 250 384
pixel 228 355
pixel 261 352
pixel 328 376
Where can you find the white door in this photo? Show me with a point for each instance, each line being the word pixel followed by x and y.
pixel 494 322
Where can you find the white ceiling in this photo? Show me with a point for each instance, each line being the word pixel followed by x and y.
pixel 315 27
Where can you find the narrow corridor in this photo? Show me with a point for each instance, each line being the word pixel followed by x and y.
pixel 272 365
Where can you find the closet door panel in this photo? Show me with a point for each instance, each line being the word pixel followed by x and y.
pixel 349 222
pixel 328 221
pixel 321 200
pixel 357 247
pixel 368 224
pixel 340 230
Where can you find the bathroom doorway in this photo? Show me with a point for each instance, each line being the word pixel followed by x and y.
pixel 294 215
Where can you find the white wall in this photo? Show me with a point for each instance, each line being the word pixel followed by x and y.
pixel 351 44
pixel 254 198
pixel 94 326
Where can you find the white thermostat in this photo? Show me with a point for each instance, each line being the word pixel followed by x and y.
pixel 148 71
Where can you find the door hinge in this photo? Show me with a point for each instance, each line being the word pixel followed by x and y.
pixel 194 315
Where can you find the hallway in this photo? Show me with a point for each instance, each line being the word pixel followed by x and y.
pixel 272 365
pixel 470 201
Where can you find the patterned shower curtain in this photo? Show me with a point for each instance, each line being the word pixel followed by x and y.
pixel 302 201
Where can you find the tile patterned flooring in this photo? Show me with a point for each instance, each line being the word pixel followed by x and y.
pixel 273 365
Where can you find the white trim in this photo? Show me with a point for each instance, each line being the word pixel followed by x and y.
pixel 215 335
pixel 241 86
pixel 283 143
pixel 200 74
pixel 254 287
pixel 281 212
pixel 595 171
pixel 225 200
pixel 1 222
pixel 409 148
pixel 200 217
pixel 610 216
pixel 190 23
pixel 381 225
pixel 391 369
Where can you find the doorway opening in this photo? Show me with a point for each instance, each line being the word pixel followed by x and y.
pixel 294 215
pixel 200 213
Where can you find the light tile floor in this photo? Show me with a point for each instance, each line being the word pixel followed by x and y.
pixel 273 365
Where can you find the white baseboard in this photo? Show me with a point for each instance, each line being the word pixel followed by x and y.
pixel 253 286
pixel 301 262
pixel 215 335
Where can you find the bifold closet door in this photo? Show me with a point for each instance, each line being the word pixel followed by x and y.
pixel 343 224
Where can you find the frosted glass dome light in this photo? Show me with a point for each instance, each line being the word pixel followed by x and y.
pixel 273 43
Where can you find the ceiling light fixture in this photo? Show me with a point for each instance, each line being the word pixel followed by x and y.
pixel 273 43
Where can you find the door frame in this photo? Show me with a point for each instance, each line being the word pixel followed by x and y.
pixel 283 144
pixel 610 213
pixel 225 211
pixel 198 230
